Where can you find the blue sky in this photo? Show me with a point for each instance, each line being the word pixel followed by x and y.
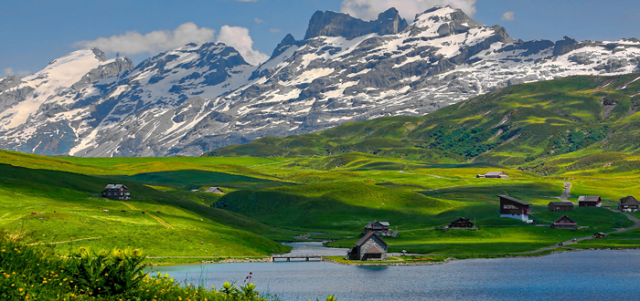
pixel 36 32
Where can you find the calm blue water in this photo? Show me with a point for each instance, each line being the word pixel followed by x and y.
pixel 588 275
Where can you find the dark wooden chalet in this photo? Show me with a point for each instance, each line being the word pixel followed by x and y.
pixel 369 247
pixel 514 208
pixel 461 223
pixel 116 192
pixel 560 206
pixel 564 223
pixel 216 190
pixel 589 201
pixel 494 175
pixel 379 228
pixel 629 204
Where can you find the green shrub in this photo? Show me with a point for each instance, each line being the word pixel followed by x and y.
pixel 30 271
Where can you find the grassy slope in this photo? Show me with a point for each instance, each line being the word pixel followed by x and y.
pixel 525 124
pixel 340 198
pixel 80 215
pixel 336 195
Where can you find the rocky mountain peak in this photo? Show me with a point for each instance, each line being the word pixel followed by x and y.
pixel 335 24
pixel 99 54
pixel 444 21
pixel 284 44
pixel 565 45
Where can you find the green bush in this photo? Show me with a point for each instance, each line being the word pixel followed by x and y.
pixel 30 271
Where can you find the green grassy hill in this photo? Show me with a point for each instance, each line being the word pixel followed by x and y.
pixel 66 209
pixel 525 124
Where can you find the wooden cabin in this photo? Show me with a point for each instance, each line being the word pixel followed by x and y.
pixel 494 175
pixel 461 223
pixel 216 190
pixel 116 192
pixel 514 208
pixel 589 201
pixel 560 206
pixel 369 247
pixel 379 228
pixel 629 204
pixel 564 222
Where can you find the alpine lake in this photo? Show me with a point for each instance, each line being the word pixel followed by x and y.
pixel 583 275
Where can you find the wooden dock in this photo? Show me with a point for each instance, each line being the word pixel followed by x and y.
pixel 288 257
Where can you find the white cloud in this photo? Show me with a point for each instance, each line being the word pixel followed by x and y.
pixel 274 30
pixel 239 38
pixel 258 20
pixel 508 16
pixel 133 42
pixel 369 9
pixel 9 71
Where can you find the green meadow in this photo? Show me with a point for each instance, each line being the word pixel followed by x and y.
pixel 270 200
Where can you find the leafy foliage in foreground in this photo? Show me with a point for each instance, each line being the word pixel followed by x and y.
pixel 29 272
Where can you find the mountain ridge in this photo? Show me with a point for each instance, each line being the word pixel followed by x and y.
pixel 522 125
pixel 196 98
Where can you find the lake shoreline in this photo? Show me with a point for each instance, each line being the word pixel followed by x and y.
pixel 382 264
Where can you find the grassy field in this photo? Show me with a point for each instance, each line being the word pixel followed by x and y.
pixel 271 199
pixel 65 208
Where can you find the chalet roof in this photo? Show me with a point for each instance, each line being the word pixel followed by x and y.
pixel 521 202
pixel 589 198
pixel 561 204
pixel 367 237
pixel 374 250
pixel 629 201
pixel 494 173
pixel 461 219
pixel 212 189
pixel 115 186
pixel 563 218
pixel 370 224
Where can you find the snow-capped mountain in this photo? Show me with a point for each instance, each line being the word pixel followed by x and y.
pixel 46 112
pixel 199 97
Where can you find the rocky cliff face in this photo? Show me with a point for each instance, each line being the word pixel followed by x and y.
pixel 199 97
pixel 332 24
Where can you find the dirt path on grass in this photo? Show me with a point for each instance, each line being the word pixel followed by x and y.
pixel 63 242
pixel 161 221
pixel 566 193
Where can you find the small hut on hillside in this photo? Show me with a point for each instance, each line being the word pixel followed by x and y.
pixel 589 201
pixel 564 222
pixel 116 192
pixel 560 206
pixel 461 223
pixel 369 247
pixel 629 204
pixel 494 175
pixel 216 190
